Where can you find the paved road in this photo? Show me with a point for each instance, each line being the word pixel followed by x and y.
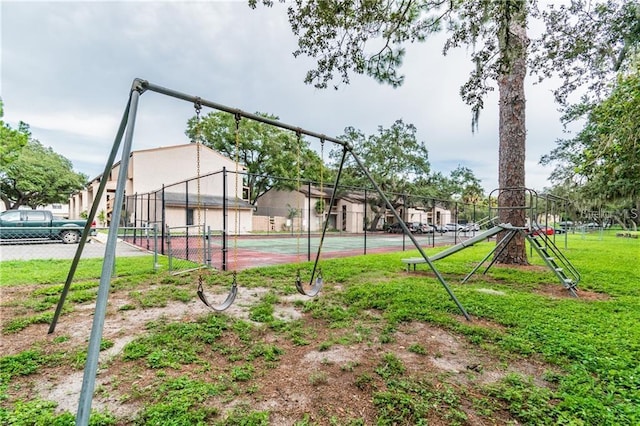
pixel 57 250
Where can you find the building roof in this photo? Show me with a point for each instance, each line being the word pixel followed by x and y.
pixel 167 148
pixel 179 199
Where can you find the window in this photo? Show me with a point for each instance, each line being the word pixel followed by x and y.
pixel 36 216
pixel 189 217
pixel 11 216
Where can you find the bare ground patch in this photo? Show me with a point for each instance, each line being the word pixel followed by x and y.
pixel 323 381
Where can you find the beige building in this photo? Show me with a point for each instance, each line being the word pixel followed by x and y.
pixel 279 210
pixel 307 209
pixel 165 177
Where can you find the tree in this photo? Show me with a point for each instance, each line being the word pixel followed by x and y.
pixel 586 43
pixel 272 156
pixel 340 34
pixel 595 45
pixel 466 185
pixel 11 141
pixel 395 159
pixel 368 37
pixel 38 176
pixel 604 157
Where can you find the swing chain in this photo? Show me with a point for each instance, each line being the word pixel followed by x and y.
pixel 200 283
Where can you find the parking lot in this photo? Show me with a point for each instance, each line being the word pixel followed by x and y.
pixel 58 250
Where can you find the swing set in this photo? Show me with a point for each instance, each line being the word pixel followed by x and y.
pixel 126 132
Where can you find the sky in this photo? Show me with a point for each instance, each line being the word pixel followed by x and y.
pixel 67 67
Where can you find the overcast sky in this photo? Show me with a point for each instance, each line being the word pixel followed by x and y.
pixel 67 68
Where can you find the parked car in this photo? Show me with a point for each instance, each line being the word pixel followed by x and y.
pixel 473 227
pixel 426 228
pixel 438 228
pixel 39 224
pixel 396 228
pixel 540 230
pixel 456 227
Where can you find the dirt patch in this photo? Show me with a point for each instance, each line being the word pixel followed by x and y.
pixel 323 380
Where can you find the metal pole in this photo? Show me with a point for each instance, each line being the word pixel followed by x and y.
pixel 224 218
pixel 163 214
pixel 309 222
pixel 404 213
pixel 192 99
pixel 415 242
pixel 366 225
pixel 135 217
pixel 155 247
pixel 91 217
pixel 93 352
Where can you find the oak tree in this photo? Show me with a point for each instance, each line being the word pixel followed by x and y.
pixel 38 176
pixel 273 157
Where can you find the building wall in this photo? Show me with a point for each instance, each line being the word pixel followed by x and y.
pixel 150 169
pixel 277 204
pixel 213 219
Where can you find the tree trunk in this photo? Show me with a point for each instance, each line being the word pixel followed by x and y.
pixel 511 173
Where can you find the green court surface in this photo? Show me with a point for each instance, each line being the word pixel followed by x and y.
pixel 332 243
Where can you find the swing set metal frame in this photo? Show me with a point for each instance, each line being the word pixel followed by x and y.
pixel 126 130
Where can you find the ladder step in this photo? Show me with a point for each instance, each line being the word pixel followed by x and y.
pixel 558 269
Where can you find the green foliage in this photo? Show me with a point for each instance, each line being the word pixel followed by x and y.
pixel 242 416
pixel 38 176
pixel 22 364
pixel 604 155
pixel 11 141
pixel 263 311
pixel 52 271
pixel 523 399
pixel 265 151
pixel 242 373
pixel 585 44
pixel 390 366
pixel 180 401
pixel 39 412
pixel 589 344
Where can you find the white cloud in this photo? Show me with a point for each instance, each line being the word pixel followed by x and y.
pixel 67 68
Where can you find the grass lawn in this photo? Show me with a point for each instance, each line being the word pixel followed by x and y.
pixel 377 346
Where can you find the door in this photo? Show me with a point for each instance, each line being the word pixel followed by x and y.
pixel 36 224
pixel 12 225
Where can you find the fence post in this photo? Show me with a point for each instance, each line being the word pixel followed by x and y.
pixel 155 248
pixel 163 215
pixel 309 222
pixel 169 249
pixel 365 224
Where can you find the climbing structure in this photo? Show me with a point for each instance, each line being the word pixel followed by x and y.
pixel 534 233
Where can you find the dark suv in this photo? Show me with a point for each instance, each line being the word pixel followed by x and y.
pixel 396 228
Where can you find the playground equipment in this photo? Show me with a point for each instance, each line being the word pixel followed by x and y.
pixel 127 124
pixel 231 296
pixel 539 242
pixel 315 286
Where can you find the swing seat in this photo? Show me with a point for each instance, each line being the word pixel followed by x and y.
pixel 315 289
pixel 224 305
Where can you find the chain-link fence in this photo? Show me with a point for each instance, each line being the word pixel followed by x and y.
pixel 30 243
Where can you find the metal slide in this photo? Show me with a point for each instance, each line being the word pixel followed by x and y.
pixel 471 241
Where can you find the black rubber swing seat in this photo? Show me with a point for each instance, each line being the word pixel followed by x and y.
pixel 315 289
pixel 224 305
